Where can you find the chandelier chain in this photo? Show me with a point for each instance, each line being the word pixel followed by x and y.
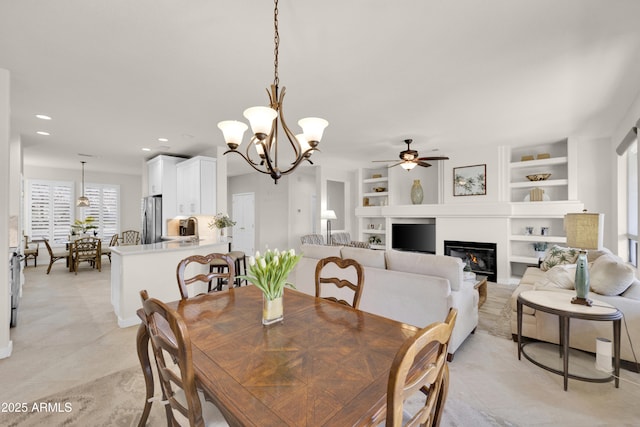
pixel 276 40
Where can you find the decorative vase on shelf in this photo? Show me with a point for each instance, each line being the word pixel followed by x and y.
pixel 416 192
pixel 582 280
pixel 272 310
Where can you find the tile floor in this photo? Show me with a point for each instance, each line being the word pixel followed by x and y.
pixel 67 335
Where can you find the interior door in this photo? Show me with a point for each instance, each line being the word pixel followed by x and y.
pixel 243 213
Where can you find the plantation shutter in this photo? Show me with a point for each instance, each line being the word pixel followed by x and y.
pixel 50 210
pixel 104 207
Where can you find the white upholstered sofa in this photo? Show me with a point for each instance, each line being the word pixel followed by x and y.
pixel 612 282
pixel 417 289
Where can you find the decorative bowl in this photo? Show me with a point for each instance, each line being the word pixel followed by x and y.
pixel 379 189
pixel 538 177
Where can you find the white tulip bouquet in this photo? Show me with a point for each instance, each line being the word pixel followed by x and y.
pixel 269 272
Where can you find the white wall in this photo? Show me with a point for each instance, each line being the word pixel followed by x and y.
pixel 302 192
pixel 5 312
pixel 130 188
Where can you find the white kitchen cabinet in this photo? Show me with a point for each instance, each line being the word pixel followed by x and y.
pixel 161 175
pixel 196 184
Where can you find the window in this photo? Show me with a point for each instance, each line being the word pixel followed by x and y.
pixel 50 210
pixel 632 202
pixel 104 206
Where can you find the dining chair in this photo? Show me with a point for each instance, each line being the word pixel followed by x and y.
pixel 31 250
pixel 409 374
pixel 209 261
pixel 321 277
pixel 171 345
pixel 87 249
pixel 55 255
pixel 240 260
pixel 130 237
pixel 113 242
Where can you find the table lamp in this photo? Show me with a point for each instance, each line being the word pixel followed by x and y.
pixel 328 215
pixel 584 231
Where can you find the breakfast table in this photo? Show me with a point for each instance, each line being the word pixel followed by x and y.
pixel 324 364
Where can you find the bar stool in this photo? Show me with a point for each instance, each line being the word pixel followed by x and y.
pixel 220 266
pixel 238 256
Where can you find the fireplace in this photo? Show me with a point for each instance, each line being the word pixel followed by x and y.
pixel 479 256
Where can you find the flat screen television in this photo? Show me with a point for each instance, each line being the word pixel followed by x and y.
pixel 414 237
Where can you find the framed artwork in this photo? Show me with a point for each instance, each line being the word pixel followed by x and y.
pixel 470 180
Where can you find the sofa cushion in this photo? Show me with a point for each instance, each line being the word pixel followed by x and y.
pixel 366 257
pixel 594 254
pixel 561 276
pixel 432 265
pixel 558 255
pixel 633 291
pixel 609 275
pixel 532 275
pixel 320 251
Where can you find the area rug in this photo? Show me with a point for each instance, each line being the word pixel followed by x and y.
pixel 117 400
pixel 495 313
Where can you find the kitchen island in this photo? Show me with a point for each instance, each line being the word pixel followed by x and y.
pixel 153 267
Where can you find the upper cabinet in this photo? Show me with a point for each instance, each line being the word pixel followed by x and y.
pixel 196 185
pixel 161 174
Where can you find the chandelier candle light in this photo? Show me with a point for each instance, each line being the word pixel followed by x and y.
pixel 264 125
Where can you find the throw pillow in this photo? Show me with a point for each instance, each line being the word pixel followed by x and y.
pixel 561 276
pixel 558 255
pixel 609 275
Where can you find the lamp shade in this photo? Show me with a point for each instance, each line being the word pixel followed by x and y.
pixel 313 128
pixel 408 165
pixel 233 131
pixel 83 202
pixel 328 214
pixel 302 140
pixel 261 119
pixel 584 230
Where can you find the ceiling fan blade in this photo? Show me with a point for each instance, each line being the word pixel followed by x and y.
pixel 425 164
pixel 395 164
pixel 434 158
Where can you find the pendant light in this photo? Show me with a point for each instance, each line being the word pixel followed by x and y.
pixel 265 122
pixel 82 202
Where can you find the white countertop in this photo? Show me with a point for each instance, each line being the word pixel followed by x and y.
pixel 168 246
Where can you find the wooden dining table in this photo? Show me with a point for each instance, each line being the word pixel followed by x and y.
pixel 326 364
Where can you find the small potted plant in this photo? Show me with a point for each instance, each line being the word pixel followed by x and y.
pixel 540 248
pixel 269 273
pixel 220 222
pixel 82 226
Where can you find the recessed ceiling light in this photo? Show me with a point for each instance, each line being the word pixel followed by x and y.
pixel 43 117
pixel 163 140
pixel 146 149
pixel 40 132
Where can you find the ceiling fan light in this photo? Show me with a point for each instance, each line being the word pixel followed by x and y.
pixel 408 165
pixel 261 120
pixel 233 132
pixel 313 128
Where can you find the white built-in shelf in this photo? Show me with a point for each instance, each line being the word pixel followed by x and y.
pixel 538 238
pixel 379 247
pixel 524 259
pixel 538 163
pixel 374 231
pixel 546 183
pixel 376 194
pixel 375 180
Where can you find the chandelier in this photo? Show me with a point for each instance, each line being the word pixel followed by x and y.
pixel 264 125
pixel 82 202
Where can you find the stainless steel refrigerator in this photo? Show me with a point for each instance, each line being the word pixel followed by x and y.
pixel 152 219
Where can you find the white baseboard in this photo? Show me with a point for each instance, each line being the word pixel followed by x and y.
pixel 6 351
pixel 129 321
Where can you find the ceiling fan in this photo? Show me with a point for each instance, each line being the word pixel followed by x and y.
pixel 409 158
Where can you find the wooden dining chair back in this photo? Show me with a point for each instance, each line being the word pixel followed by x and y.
pixel 55 255
pixel 130 237
pixel 171 347
pixel 208 277
pixel 107 250
pixel 421 365
pixel 324 277
pixel 87 249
